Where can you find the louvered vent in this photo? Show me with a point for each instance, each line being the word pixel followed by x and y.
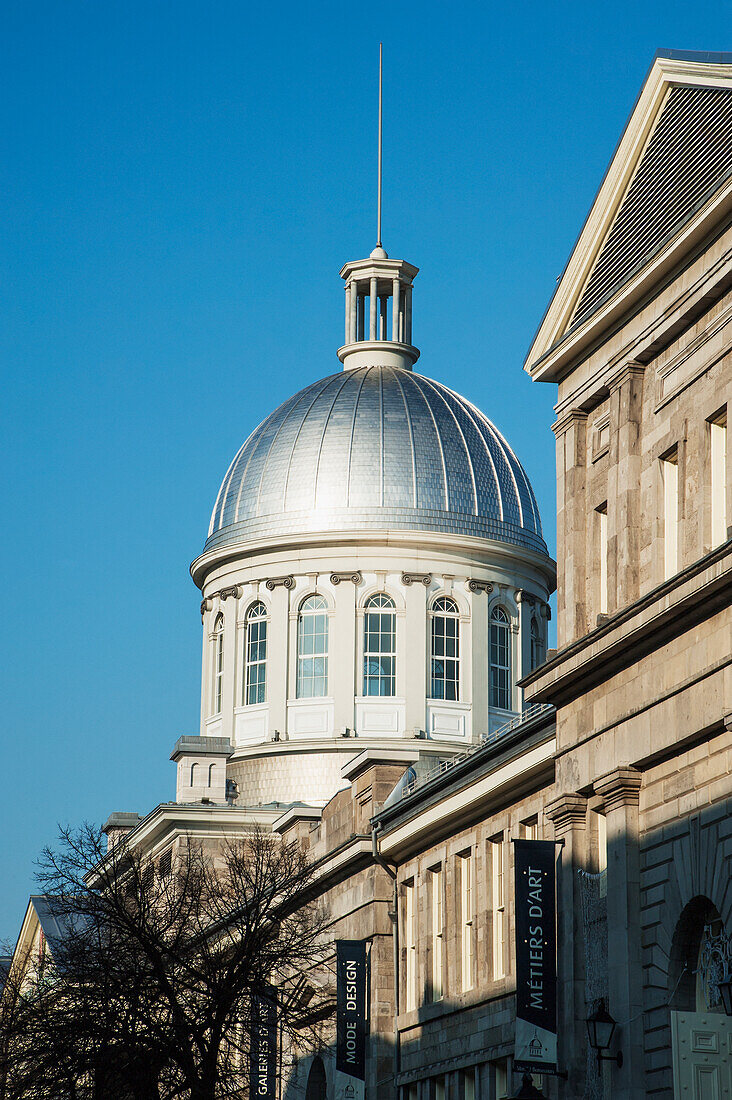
pixel 687 159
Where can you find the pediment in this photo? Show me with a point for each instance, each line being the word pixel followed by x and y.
pixel 671 172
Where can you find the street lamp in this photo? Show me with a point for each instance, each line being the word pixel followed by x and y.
pixel 600 1029
pixel 528 1090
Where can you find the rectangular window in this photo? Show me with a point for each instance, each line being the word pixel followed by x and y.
pixel 718 476
pixel 410 1092
pixel 499 1074
pixel 438 1088
pixel 670 483
pixel 437 932
pixel 530 829
pixel 468 1081
pixel 602 556
pixel 498 907
pixel 465 863
pixel 410 944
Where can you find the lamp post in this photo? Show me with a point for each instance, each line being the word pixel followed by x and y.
pixel 600 1029
pixel 528 1090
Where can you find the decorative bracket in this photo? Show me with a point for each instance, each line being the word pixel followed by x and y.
pixel 479 586
pixel 234 591
pixel 336 578
pixel 417 578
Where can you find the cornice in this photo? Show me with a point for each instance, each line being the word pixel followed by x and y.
pixel 694 594
pixel 486 551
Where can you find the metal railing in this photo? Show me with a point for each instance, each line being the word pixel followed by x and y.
pixel 443 766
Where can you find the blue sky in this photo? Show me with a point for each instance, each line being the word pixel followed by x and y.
pixel 181 184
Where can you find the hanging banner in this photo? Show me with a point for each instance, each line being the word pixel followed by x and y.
pixel 351 1019
pixel 536 957
pixel 263 1049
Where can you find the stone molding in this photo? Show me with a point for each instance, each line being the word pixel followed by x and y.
pixel 474 585
pixel 568 420
pixel 287 582
pixel 417 578
pixel 620 787
pixel 355 576
pixel 630 370
pixel 567 812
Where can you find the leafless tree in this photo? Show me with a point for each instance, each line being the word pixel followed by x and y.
pixel 150 988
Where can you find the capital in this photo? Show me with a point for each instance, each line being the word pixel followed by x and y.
pixel 620 787
pixel 567 812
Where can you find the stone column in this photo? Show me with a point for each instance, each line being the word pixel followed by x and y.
pixel 353 323
pixel 395 307
pixel 348 314
pixel 620 790
pixel 360 311
pixel 408 315
pixel 623 491
pixel 571 433
pixel 568 814
pixel 373 303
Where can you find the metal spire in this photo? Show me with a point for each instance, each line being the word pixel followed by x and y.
pixel 378 203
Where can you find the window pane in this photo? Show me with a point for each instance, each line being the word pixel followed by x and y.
pixel 500 660
pixel 445 667
pixel 379 676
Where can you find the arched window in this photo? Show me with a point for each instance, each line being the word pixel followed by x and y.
pixel 500 660
pixel 537 645
pixel 379 646
pixel 445 664
pixel 255 654
pixel 312 648
pixel 218 664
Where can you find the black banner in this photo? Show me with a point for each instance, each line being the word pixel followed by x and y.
pixel 536 957
pixel 351 1008
pixel 263 1048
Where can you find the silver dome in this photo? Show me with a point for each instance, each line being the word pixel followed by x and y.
pixel 376 448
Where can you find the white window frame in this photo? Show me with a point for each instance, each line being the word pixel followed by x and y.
pixel 718 478
pixel 410 944
pixel 255 618
pixel 380 605
pixel 670 488
pixel 465 863
pixel 444 611
pixel 437 931
pixel 305 683
pixel 601 514
pixel 217 663
pixel 498 905
pixel 500 620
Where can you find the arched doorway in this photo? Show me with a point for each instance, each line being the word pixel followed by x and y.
pixel 701 1033
pixel 317 1085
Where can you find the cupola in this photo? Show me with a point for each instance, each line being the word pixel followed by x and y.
pixel 378 313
